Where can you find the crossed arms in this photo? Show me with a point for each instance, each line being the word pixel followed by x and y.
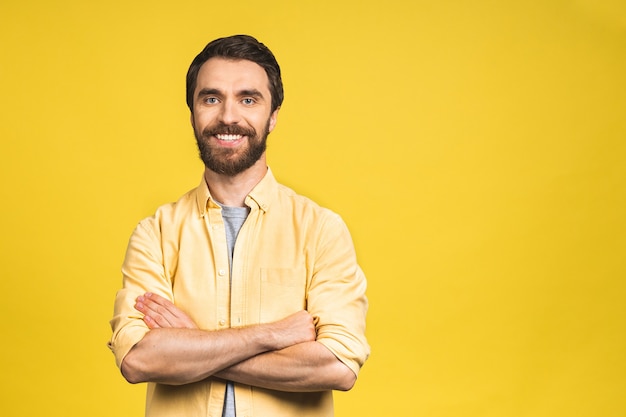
pixel 282 355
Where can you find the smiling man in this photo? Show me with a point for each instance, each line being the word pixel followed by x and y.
pixel 243 298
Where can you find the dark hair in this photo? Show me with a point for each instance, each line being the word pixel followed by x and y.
pixel 238 47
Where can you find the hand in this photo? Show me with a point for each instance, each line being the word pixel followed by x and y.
pixel 296 328
pixel 160 312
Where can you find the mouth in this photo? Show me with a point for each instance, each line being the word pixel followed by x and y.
pixel 228 137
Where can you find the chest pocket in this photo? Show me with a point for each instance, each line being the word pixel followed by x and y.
pixel 283 292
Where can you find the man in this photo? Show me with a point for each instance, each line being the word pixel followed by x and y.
pixel 242 298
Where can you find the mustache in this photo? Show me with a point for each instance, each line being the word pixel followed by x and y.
pixel 225 129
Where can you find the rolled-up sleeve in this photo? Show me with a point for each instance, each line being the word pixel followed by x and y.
pixel 142 271
pixel 336 296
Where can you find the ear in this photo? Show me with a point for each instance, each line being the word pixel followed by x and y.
pixel 193 124
pixel 273 120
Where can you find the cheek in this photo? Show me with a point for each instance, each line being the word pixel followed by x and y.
pixel 199 120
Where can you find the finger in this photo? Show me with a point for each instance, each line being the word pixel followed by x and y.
pixel 161 315
pixel 150 322
pixel 175 316
pixel 158 314
pixel 163 312
pixel 162 301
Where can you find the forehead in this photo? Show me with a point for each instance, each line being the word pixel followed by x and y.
pixel 228 74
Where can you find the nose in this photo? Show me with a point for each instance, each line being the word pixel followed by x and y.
pixel 230 113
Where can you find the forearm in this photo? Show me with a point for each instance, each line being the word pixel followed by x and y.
pixel 303 367
pixel 175 352
pixel 180 356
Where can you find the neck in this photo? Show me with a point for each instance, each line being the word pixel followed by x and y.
pixel 232 191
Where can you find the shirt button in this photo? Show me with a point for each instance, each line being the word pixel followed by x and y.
pixel 221 272
pixel 222 322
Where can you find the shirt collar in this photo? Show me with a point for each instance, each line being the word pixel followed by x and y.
pixel 260 196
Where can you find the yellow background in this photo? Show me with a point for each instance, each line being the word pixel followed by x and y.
pixel 476 149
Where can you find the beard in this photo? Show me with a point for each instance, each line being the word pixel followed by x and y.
pixel 228 161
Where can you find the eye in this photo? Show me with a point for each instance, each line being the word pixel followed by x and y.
pixel 248 101
pixel 210 100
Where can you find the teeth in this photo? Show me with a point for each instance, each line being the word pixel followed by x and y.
pixel 228 137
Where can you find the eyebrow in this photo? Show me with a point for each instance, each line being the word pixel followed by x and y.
pixel 253 92
pixel 208 92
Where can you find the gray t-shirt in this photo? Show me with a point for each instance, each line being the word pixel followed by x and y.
pixel 234 217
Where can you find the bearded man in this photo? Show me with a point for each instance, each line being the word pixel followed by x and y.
pixel 243 297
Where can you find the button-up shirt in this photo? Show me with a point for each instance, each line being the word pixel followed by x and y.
pixel 290 255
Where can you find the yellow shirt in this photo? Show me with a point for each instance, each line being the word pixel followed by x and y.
pixel 290 255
